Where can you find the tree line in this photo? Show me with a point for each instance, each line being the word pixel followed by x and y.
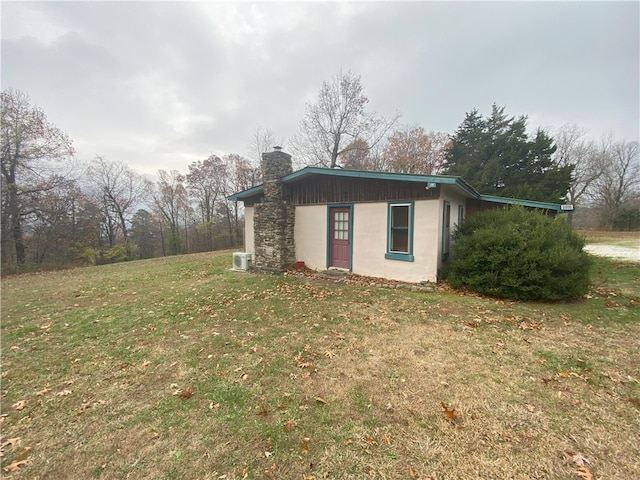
pixel 495 154
pixel 59 211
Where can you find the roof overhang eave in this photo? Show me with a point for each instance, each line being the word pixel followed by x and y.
pixel 245 194
pixel 525 203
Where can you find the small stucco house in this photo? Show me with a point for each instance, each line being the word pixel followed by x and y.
pixel 391 225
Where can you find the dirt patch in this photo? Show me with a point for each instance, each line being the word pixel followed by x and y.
pixel 613 251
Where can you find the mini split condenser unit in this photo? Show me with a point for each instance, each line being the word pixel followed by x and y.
pixel 241 261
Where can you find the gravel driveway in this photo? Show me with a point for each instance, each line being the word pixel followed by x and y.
pixel 625 253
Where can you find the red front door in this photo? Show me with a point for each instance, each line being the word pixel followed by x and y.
pixel 339 250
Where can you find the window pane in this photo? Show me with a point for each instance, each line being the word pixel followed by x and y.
pixel 446 229
pixel 400 216
pixel 341 225
pixel 400 241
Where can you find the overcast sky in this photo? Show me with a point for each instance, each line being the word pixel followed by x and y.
pixel 158 85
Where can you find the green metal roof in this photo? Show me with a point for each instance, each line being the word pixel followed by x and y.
pixel 517 201
pixel 250 192
pixel 396 177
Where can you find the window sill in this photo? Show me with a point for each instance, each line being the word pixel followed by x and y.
pixel 405 257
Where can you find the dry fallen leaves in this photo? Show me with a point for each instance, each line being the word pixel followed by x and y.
pixel 15 466
pixel 450 413
pixel 289 424
pixel 9 443
pixel 20 405
pixel 304 445
pixel 262 411
pixel 186 393
pixel 584 473
pixel 23 453
pixel 42 392
pixel 579 460
pixel 371 440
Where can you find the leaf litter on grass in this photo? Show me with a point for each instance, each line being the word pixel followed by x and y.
pixel 397 349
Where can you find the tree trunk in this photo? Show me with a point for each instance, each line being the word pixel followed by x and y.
pixel 12 230
pixel 18 239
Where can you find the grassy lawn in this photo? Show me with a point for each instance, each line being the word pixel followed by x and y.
pixel 621 239
pixel 178 368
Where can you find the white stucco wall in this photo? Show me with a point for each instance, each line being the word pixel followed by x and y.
pixel 370 243
pixel 370 240
pixel 310 232
pixel 249 238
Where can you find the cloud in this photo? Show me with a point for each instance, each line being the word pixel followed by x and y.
pixel 161 84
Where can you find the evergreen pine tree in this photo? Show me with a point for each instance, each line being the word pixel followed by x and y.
pixel 496 156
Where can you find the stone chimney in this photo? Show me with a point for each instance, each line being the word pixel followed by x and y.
pixel 274 216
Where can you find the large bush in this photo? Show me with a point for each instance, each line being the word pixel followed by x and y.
pixel 520 254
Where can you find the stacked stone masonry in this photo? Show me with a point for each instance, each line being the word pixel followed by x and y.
pixel 274 217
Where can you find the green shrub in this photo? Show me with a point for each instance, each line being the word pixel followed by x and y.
pixel 117 253
pixel 88 255
pixel 519 254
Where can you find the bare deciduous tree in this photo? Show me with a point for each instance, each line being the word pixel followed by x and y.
pixel 29 141
pixel 205 181
pixel 619 184
pixel 172 202
pixel 413 150
pixel 119 190
pixel 262 140
pixel 241 176
pixel 206 184
pixel 584 155
pixel 357 156
pixel 337 118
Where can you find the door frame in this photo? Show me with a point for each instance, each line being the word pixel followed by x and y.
pixel 330 207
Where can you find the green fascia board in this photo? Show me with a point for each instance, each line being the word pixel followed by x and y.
pixel 250 192
pixel 525 203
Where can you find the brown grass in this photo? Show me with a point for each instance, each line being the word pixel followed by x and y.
pixel 295 378
pixel 622 239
